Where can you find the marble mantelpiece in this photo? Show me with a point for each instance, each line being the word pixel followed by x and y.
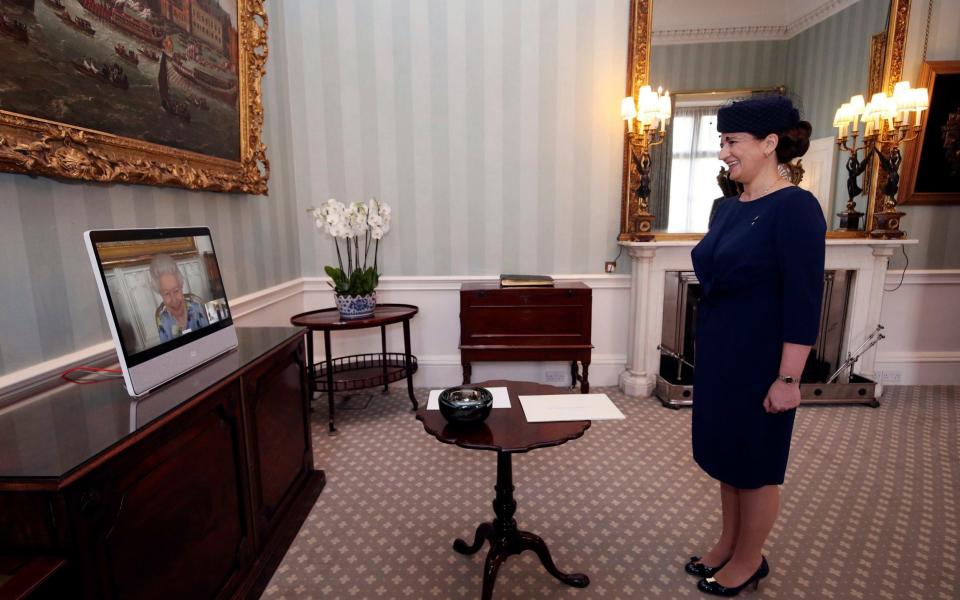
pixel 650 262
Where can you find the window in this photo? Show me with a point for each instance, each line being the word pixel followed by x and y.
pixel 693 167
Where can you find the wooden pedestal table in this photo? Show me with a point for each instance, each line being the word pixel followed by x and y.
pixel 507 432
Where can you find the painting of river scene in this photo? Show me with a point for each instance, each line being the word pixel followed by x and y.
pixel 160 71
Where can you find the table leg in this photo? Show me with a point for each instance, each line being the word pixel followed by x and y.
pixel 311 369
pixel 383 357
pixel 467 370
pixel 505 539
pixel 585 382
pixel 483 534
pixel 407 362
pixel 329 356
pixel 573 373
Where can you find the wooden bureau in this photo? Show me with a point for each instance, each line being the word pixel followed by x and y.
pixel 527 324
pixel 194 491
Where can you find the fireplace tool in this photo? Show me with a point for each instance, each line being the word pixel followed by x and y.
pixel 678 357
pixel 853 357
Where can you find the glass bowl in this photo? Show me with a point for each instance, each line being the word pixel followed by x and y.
pixel 465 404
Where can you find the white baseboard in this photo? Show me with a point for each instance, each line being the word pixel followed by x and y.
pixel 916 318
pixel 923 277
pixel 435 331
pixel 923 336
pixel 441 371
pixel 918 368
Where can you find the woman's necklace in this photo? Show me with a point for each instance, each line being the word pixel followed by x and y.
pixel 762 193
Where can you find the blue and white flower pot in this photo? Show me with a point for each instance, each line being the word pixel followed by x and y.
pixel 356 307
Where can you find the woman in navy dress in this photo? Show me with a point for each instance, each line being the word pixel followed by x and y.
pixel 760 269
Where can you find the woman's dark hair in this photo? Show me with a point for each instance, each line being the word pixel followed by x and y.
pixel 793 142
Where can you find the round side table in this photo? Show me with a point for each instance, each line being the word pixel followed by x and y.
pixel 507 432
pixel 359 371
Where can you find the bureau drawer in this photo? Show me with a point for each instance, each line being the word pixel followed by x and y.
pixel 524 326
pixel 526 317
pixel 517 297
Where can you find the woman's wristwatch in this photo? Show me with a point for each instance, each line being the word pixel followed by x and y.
pixel 788 379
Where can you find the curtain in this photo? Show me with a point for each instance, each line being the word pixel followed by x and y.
pixel 660 182
pixel 693 168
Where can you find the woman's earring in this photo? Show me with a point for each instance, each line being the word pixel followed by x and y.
pixel 784 171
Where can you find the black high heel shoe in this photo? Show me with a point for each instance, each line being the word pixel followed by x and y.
pixel 698 569
pixel 713 587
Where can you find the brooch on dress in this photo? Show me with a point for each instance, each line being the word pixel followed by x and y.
pixel 754 221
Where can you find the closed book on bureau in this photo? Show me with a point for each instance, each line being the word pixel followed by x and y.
pixel 526 281
pixel 526 324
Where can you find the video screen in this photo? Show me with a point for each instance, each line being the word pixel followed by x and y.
pixel 162 289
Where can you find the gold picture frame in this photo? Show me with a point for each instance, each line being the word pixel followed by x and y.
pixel 931 166
pixel 33 145
pixel 133 252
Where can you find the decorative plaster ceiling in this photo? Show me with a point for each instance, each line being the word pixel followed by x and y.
pixel 693 21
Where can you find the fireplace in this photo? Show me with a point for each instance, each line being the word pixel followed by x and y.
pixel 663 296
pixel 681 295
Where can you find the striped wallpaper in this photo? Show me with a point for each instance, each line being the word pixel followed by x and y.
pixel 828 63
pixel 492 128
pixel 718 66
pixel 49 305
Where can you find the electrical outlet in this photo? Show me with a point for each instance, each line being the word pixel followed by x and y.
pixel 610 266
pixel 889 376
pixel 555 376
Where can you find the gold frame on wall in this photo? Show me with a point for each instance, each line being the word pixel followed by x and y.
pixel 913 154
pixel 894 46
pixel 35 146
pixel 638 74
pixel 638 70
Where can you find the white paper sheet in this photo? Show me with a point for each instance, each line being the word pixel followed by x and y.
pixel 501 399
pixel 569 407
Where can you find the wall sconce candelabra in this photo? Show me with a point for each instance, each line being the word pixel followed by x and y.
pixel 886 125
pixel 646 121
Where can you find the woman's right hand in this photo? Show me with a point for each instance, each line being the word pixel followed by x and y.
pixel 782 397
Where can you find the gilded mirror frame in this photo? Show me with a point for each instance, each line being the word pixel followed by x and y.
pixel 638 74
pixel 35 146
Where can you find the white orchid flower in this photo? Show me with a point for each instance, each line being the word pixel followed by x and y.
pixel 357 218
pixel 352 223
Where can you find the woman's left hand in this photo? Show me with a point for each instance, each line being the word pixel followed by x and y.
pixel 782 397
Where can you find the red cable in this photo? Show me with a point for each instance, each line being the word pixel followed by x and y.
pixel 96 369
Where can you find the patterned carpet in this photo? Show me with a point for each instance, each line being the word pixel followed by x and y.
pixel 869 511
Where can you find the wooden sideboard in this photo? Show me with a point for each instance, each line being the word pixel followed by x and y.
pixel 527 324
pixel 195 491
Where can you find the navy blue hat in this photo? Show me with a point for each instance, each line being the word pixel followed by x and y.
pixel 758 116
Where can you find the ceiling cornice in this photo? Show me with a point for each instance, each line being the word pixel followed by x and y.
pixel 695 35
pixel 720 34
pixel 821 13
